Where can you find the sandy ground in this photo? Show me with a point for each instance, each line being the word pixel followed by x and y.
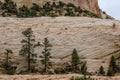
pixel 52 77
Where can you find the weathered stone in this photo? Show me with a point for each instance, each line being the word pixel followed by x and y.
pixel 95 39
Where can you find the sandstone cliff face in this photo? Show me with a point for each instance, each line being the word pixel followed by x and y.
pixel 91 5
pixel 94 39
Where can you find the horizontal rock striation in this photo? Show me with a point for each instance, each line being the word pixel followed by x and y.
pixel 96 40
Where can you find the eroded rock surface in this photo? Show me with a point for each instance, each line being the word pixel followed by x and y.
pixel 96 40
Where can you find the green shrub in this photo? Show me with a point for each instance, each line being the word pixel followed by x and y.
pixel 47 7
pixel 60 71
pixel 9 69
pixel 70 5
pixel 60 4
pixel 101 71
pixel 35 7
pixel 84 69
pixel 82 78
pixel 9 6
pixel 23 12
pixel 78 9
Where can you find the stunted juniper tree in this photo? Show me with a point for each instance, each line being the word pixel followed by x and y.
pixel 7 63
pixel 75 60
pixel 84 68
pixel 28 49
pixel 46 55
pixel 101 71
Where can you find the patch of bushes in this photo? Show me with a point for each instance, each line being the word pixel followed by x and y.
pixel 9 7
pixel 8 69
pixel 48 9
pixel 82 78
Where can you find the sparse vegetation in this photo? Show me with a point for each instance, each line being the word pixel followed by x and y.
pixel 48 9
pixel 7 65
pixel 73 66
pixel 82 78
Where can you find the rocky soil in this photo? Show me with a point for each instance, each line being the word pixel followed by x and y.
pixel 52 77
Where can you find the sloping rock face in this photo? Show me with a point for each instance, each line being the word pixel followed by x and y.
pixel 91 5
pixel 96 40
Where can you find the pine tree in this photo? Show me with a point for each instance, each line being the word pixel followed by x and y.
pixel 7 64
pixel 112 67
pixel 75 60
pixel 46 55
pixel 101 71
pixel 28 48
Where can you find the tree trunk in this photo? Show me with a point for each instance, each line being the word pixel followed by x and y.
pixel 29 61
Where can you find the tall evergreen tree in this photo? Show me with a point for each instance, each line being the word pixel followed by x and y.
pixel 46 55
pixel 75 60
pixel 28 48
